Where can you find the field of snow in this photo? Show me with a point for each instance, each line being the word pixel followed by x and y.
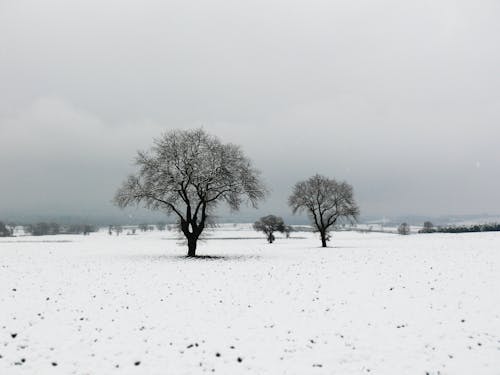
pixel 371 304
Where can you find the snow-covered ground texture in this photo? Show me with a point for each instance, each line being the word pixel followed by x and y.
pixel 372 303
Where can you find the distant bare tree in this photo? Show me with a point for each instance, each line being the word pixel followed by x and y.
pixel 4 231
pixel 427 228
pixel 43 229
pixel 12 227
pixel 161 225
pixel 288 230
pixel 268 225
pixel 326 201
pixel 404 229
pixel 87 229
pixel 188 173
pixel 117 229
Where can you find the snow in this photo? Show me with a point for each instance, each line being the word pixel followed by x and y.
pixel 372 303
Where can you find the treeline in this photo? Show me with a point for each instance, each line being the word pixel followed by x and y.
pixel 42 229
pixel 489 227
pixel 53 228
pixel 45 229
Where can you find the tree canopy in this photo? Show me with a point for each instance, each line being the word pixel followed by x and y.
pixel 268 225
pixel 326 202
pixel 188 173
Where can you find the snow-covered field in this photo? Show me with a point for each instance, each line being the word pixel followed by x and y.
pixel 371 304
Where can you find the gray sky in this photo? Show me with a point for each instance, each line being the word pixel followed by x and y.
pixel 401 99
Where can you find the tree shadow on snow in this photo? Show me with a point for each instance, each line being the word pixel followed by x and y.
pixel 198 258
pixel 339 247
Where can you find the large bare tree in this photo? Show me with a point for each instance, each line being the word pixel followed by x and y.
pixel 326 202
pixel 188 173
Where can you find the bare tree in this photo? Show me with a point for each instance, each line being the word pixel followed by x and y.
pixel 288 230
pixel 161 225
pixel 428 228
pixel 143 227
pixel 404 229
pixel 118 229
pixel 43 229
pixel 269 224
pixel 188 173
pixel 326 202
pixel 5 231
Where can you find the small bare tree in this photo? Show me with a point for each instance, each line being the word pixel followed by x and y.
pixel 428 228
pixel 188 173
pixel 404 229
pixel 268 225
pixel 161 225
pixel 5 231
pixel 326 201
pixel 118 229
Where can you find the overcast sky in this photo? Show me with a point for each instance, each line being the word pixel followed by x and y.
pixel 399 98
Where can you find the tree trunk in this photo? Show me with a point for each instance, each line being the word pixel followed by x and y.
pixel 192 246
pixel 323 239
